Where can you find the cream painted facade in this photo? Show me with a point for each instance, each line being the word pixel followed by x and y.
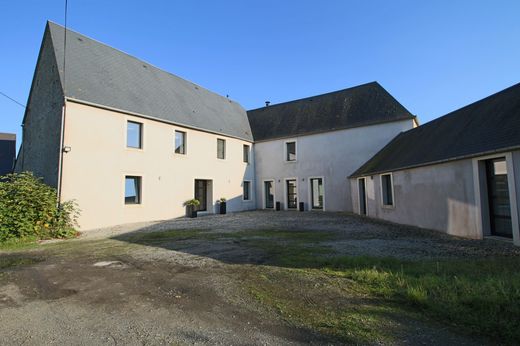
pixel 94 169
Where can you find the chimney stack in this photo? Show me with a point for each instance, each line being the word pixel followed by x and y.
pixel 267 103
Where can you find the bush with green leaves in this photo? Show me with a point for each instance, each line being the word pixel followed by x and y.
pixel 29 209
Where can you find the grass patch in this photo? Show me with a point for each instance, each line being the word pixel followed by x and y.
pixel 162 236
pixel 481 296
pixel 18 244
pixel 9 262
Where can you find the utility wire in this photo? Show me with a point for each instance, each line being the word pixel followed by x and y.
pixel 12 99
pixel 65 50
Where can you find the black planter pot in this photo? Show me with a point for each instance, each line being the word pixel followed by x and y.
pixel 222 207
pixel 191 211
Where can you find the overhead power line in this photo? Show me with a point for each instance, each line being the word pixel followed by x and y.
pixel 12 99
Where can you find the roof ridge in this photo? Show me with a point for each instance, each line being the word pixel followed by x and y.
pixel 320 95
pixel 143 61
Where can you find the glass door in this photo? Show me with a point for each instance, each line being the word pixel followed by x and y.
pixel 292 194
pixel 498 195
pixel 269 194
pixel 201 193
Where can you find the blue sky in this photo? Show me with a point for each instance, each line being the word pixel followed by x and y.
pixel 434 56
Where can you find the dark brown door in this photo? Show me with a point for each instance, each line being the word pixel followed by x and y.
pixel 362 197
pixel 201 193
pixel 498 194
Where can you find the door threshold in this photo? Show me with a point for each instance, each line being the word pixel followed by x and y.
pixel 499 238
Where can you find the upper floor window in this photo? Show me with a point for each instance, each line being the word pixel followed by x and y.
pixel 134 135
pixel 221 148
pixel 132 190
pixel 387 190
pixel 180 142
pixel 246 153
pixel 290 151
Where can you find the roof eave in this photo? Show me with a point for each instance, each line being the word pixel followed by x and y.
pixel 431 163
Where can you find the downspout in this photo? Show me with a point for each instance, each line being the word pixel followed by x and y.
pixel 62 143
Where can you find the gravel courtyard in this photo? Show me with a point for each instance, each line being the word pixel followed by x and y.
pixel 196 281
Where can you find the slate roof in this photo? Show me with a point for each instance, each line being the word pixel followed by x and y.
pixel 362 105
pixel 486 126
pixel 102 75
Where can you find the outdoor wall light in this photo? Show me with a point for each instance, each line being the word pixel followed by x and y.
pixel 67 149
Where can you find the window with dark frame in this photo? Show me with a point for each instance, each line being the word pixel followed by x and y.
pixel 290 149
pixel 247 190
pixel 180 142
pixel 386 187
pixel 132 190
pixel 246 153
pixel 221 149
pixel 134 135
pixel 317 193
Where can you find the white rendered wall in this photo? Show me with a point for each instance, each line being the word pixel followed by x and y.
pixel 331 155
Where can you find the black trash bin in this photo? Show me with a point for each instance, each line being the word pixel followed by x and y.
pixel 302 206
pixel 278 206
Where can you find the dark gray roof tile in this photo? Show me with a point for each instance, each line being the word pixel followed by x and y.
pixel 362 105
pixel 489 125
pixel 102 75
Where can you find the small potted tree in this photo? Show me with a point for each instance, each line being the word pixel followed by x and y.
pixel 191 207
pixel 222 204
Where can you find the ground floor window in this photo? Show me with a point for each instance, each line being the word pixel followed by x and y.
pixel 292 194
pixel 316 193
pixel 132 190
pixel 246 195
pixel 387 194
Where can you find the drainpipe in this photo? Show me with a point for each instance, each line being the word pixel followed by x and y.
pixel 62 140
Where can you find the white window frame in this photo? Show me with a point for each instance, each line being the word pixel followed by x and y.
pixel 388 206
pixel 285 150
pixel 285 196
pixel 310 193
pixel 264 196
pixel 250 191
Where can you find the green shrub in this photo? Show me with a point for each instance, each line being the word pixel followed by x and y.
pixel 29 209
